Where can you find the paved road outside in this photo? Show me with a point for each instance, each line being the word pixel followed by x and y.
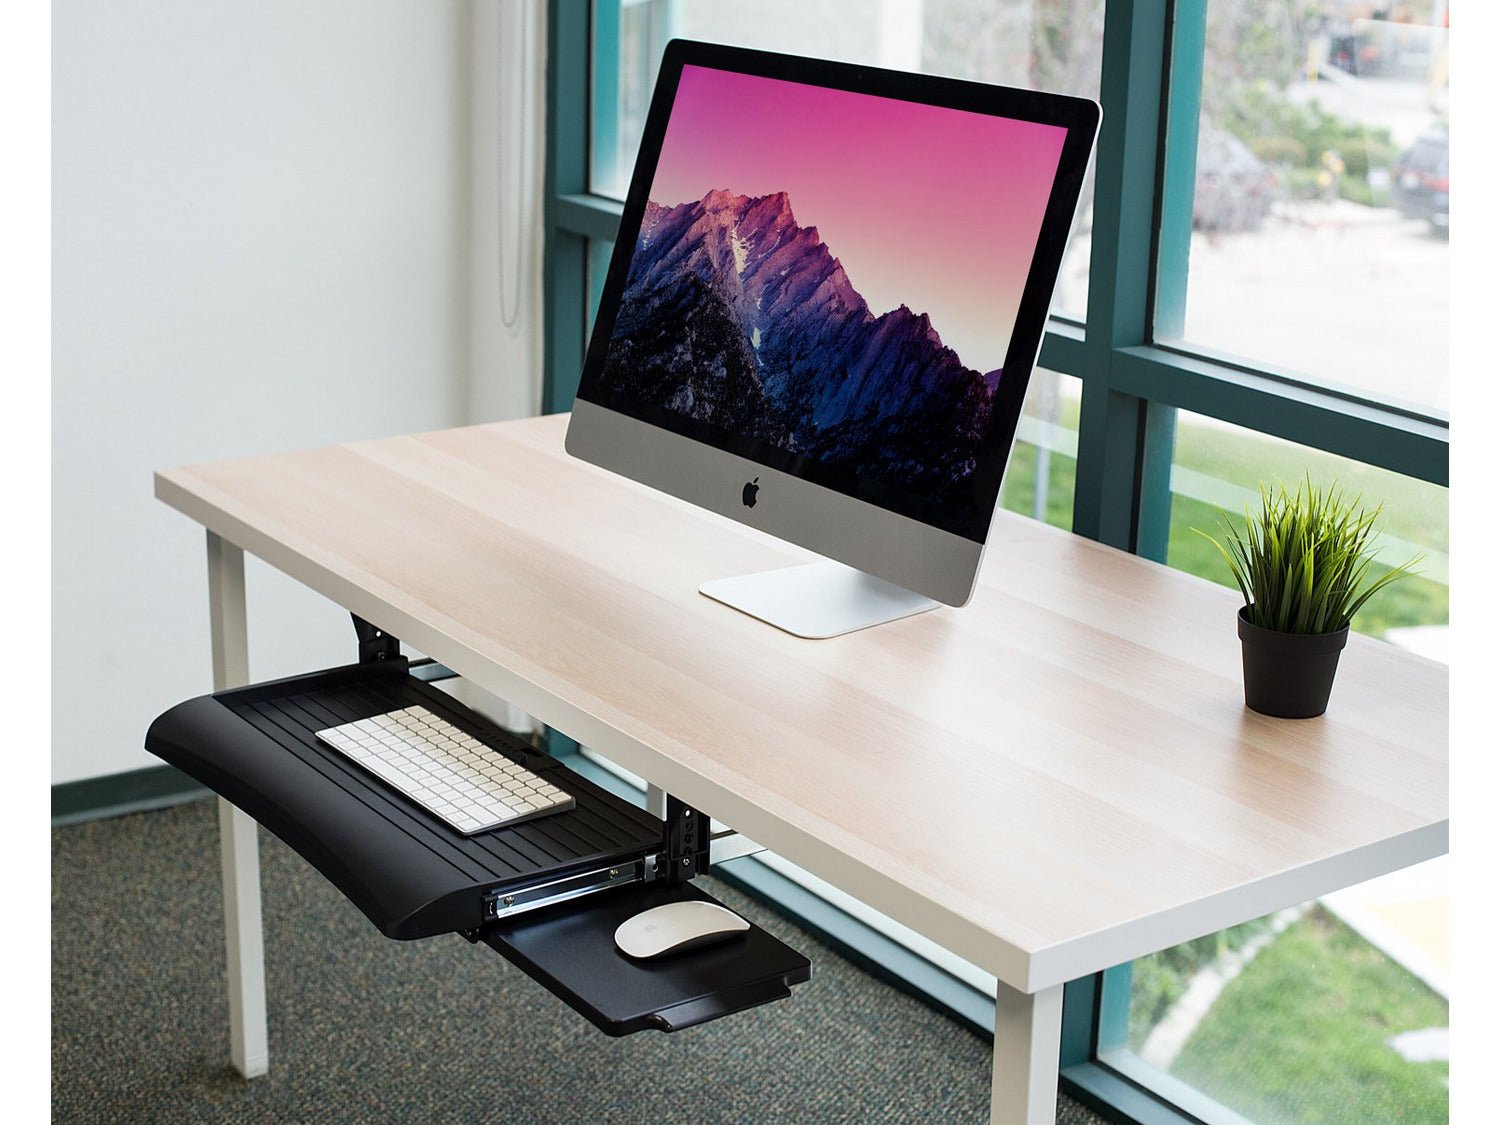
pixel 1346 293
pixel 1334 290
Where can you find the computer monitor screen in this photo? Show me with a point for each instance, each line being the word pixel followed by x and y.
pixel 826 297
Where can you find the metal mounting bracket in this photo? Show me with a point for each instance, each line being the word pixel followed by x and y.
pixel 686 841
pixel 374 644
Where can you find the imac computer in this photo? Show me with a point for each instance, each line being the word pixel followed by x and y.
pixel 825 301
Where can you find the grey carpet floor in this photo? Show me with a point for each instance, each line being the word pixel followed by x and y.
pixel 364 1029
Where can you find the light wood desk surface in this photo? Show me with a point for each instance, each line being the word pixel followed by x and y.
pixel 1057 778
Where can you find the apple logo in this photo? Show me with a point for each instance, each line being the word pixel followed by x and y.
pixel 748 496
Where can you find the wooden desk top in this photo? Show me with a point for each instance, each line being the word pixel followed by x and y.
pixel 1057 778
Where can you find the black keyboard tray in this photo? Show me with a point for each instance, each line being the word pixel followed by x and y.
pixel 409 873
pixel 414 877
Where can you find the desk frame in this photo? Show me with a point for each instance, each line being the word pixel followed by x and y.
pixel 1031 972
pixel 1028 1026
pixel 239 841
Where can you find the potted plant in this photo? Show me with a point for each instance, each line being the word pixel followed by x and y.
pixel 1303 564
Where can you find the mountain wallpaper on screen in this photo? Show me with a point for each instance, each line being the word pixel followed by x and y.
pixel 735 315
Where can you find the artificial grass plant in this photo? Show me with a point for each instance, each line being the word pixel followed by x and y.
pixel 1303 561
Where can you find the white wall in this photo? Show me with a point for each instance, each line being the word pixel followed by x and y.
pixel 261 240
pixel 506 129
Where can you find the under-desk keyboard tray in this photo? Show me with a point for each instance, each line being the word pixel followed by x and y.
pixel 523 888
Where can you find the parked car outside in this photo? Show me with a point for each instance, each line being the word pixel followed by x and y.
pixel 1419 179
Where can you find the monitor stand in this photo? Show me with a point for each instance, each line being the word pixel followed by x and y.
pixel 817 600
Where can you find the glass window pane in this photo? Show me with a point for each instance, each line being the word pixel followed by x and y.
pixel 1219 466
pixel 1053 46
pixel 596 269
pixel 1039 476
pixel 1319 240
pixel 1334 1010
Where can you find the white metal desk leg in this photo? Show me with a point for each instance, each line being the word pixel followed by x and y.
pixel 238 836
pixel 1028 1040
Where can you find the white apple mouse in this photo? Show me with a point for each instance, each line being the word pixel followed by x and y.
pixel 677 927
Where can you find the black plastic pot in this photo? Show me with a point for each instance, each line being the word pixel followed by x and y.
pixel 1289 675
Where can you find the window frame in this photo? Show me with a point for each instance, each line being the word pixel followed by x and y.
pixel 1131 386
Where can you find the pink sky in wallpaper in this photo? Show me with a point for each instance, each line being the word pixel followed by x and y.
pixel 934 208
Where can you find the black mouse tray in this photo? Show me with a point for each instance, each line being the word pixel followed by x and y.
pixel 571 950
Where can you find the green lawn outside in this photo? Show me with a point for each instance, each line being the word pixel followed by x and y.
pixel 1299 1037
pixel 1018 491
pixel 1158 981
pixel 1415 511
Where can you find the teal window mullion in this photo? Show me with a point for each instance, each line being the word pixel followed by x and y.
pixel 1156 447
pixel 1403 443
pixel 1063 349
pixel 1121 437
pixel 1130 92
pixel 603 145
pixel 1179 158
pixel 564 254
pixel 1113 1006
pixel 1177 177
pixel 1114 427
pixel 1080 1001
pixel 592 215
pixel 1180 166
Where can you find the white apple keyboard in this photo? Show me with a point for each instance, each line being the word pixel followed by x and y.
pixel 447 771
pixel 676 927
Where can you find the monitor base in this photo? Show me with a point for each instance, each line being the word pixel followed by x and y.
pixel 817 600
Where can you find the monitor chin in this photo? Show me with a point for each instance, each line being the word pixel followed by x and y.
pixel 817 600
pixel 889 560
